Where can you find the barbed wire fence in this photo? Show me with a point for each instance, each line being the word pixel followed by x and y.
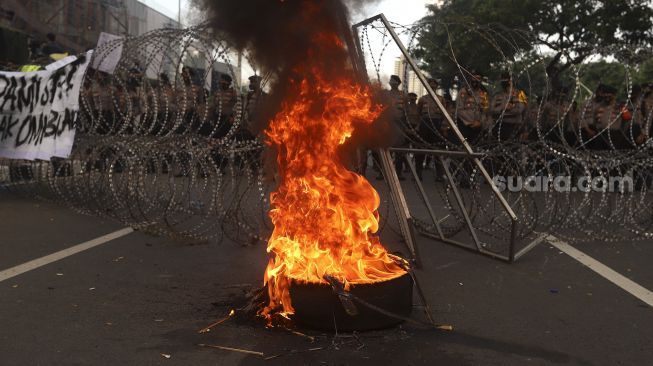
pixel 155 149
pixel 161 149
pixel 597 214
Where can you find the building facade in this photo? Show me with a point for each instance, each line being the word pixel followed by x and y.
pixel 78 23
pixel 408 77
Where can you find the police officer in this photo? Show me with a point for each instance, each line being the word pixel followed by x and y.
pixel 412 115
pixel 508 108
pixel 51 46
pixel 632 116
pixel 397 101
pixel 248 131
pixel 396 97
pixel 472 106
pixel 431 128
pixel 253 104
pixel 224 103
pixel 191 97
pixel 556 117
pixel 602 116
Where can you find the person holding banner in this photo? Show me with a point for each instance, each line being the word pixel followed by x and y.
pixel 39 111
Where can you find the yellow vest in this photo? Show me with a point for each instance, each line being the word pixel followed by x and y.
pixel 29 68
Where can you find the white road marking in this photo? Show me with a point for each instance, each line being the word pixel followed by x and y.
pixel 40 262
pixel 606 272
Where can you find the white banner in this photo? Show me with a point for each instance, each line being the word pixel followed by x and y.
pixel 108 52
pixel 61 63
pixel 38 111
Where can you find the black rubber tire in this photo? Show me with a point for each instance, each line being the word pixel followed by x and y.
pixel 316 306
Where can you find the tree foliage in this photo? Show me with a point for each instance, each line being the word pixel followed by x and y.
pixel 451 36
pixel 484 34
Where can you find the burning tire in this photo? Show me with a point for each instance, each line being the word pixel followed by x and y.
pixel 317 306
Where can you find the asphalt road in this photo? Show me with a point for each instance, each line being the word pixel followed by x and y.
pixel 140 300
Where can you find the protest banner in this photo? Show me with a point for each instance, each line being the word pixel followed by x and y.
pixel 39 110
pixel 108 52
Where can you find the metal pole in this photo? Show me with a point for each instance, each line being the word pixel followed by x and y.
pixel 359 59
pixel 396 191
pixel 421 190
pixel 401 206
pixel 530 246
pixel 461 203
pixel 453 126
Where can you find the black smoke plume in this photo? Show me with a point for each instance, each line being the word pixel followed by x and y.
pixel 280 34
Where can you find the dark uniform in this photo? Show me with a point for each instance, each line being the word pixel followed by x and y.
pixel 167 106
pixel 557 118
pixel 432 118
pixel 603 116
pixel 191 97
pixel 412 116
pixel 249 129
pixel 397 100
pixel 508 108
pixel 224 104
pixel 253 104
pixel 431 128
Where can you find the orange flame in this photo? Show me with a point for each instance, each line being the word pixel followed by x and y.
pixel 325 216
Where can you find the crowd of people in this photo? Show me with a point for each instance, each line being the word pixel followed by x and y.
pixel 508 115
pixel 130 103
pixel 161 107
pixel 40 54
